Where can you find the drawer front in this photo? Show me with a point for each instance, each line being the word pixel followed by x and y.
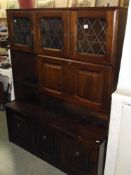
pixel 20 130
pixel 19 126
pixel 79 159
pixel 48 145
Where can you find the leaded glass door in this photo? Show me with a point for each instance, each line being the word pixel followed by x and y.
pixel 92 40
pixel 22 30
pixel 52 32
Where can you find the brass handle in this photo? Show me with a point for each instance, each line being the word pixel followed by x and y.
pixel 69 63
pixel 44 137
pixel 79 137
pixel 77 153
pixel 18 125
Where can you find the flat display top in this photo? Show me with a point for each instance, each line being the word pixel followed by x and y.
pixel 70 8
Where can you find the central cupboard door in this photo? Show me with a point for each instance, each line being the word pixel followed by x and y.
pixel 52 35
pixel 80 83
pixel 92 35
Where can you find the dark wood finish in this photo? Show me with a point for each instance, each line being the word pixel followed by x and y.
pixel 63 82
pixel 25 73
pixel 91 85
pixel 19 15
pixel 49 145
pixel 72 81
pixel 25 68
pixel 117 49
pixel 53 136
pixel 108 16
pixel 53 14
pixel 20 130
pixel 26 93
pixel 51 73
pixel 76 157
pixel 82 159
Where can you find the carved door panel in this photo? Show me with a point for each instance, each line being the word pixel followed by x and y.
pixel 51 76
pixel 92 85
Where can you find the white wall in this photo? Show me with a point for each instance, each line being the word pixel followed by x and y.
pixel 118 158
pixel 105 2
pixel 123 162
pixel 102 2
pixel 3 4
pixel 61 3
pixel 114 2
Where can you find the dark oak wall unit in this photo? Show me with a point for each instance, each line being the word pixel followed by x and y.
pixel 65 67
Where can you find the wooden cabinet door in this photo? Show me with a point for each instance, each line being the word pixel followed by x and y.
pixel 81 83
pixel 92 85
pixel 20 130
pixel 52 35
pixel 48 145
pixel 92 35
pixel 80 159
pixel 51 73
pixel 21 30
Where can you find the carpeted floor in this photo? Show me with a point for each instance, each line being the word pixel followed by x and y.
pixel 16 161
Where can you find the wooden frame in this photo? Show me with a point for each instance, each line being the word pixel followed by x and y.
pixel 45 3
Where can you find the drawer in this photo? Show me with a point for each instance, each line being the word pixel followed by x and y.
pixel 19 126
pixel 21 130
pixel 48 145
pixel 79 158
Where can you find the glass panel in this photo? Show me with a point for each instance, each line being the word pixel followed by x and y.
pixel 22 31
pixel 52 33
pixel 92 35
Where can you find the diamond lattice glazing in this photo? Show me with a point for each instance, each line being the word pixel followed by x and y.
pixel 92 36
pixel 52 32
pixel 22 31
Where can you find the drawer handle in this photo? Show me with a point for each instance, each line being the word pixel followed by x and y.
pixel 77 153
pixel 18 125
pixel 69 63
pixel 44 137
